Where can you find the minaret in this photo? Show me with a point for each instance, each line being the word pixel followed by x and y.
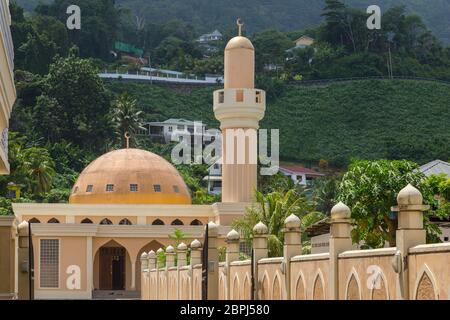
pixel 239 107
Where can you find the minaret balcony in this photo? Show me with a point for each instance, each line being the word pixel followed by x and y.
pixel 236 97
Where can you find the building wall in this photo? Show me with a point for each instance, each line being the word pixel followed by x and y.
pixel 8 259
pixel 7 88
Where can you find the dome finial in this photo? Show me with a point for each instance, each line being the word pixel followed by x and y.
pixel 239 24
pixel 127 137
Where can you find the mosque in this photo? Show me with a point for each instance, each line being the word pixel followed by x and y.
pixel 129 201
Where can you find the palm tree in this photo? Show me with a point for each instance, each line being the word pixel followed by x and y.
pixel 272 209
pixel 178 236
pixel 38 167
pixel 126 117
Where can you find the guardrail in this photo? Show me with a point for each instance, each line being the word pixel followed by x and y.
pixel 327 81
pixel 159 77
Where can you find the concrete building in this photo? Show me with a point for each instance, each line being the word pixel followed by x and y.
pixel 210 37
pixel 214 179
pixel 7 87
pixel 127 202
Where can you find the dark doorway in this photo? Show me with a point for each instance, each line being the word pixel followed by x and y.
pixel 112 268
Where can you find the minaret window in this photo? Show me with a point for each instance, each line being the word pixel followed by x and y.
pixel 221 97
pixel 89 188
pixel 157 187
pixel 109 187
pixel 239 95
pixel 258 97
pixel 133 187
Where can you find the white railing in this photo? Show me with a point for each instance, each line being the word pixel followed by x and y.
pixel 150 76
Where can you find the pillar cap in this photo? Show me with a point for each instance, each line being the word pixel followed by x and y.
pixel 144 256
pixel 233 235
pixel 170 249
pixel 260 228
pixel 292 222
pixel 151 254
pixel 182 247
pixel 340 211
pixel 196 244
pixel 409 196
pixel 213 229
pixel 160 250
pixel 23 228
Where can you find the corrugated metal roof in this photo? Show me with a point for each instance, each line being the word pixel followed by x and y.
pixel 435 167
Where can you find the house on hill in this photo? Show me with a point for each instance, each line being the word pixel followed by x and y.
pixel 300 175
pixel 210 37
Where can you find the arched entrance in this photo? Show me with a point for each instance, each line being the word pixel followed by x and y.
pixel 112 265
pixel 152 245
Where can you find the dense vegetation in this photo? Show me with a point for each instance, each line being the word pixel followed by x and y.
pixel 363 119
pixel 285 15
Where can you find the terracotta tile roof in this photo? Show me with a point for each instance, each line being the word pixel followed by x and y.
pixel 301 170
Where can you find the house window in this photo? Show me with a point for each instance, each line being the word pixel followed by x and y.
pixel 446 239
pixel 89 188
pixel 157 187
pixel 239 95
pixel 216 166
pixel 180 127
pixel 133 187
pixel 170 129
pixel 49 263
pixel 110 187
pixel 176 189
pixel 221 97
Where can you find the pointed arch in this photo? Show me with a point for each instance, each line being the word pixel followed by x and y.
pixel 158 222
pixel 426 285
pixel 196 222
pixel 247 288
pixel 222 287
pixel 264 287
pixel 86 220
pixel 318 292
pixel 353 286
pixel 34 220
pixel 300 287
pixel 276 287
pixel 379 289
pixel 236 288
pixel 53 220
pixel 106 221
pixel 125 221
pixel 177 222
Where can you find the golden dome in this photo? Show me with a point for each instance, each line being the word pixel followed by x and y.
pixel 239 42
pixel 130 176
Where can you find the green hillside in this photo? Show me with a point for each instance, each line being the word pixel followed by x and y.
pixel 287 15
pixel 364 119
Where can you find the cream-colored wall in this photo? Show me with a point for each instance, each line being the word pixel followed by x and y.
pixel 270 281
pixel 363 268
pixel 437 267
pixel 240 284
pixel 8 253
pixel 45 218
pixel 72 251
pixel 308 272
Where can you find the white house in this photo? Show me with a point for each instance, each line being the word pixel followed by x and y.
pixel 208 37
pixel 214 179
pixel 300 175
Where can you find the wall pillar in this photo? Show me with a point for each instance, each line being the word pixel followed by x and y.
pixel 23 272
pixel 232 254
pixel 340 241
pixel 292 247
pixel 151 266
pixel 159 265
pixel 410 233
pixel 196 258
pixel 181 262
pixel 260 251
pixel 144 275
pixel 213 262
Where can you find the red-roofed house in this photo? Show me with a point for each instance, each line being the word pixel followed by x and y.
pixel 300 175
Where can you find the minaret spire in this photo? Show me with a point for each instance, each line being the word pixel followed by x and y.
pixel 127 138
pixel 239 24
